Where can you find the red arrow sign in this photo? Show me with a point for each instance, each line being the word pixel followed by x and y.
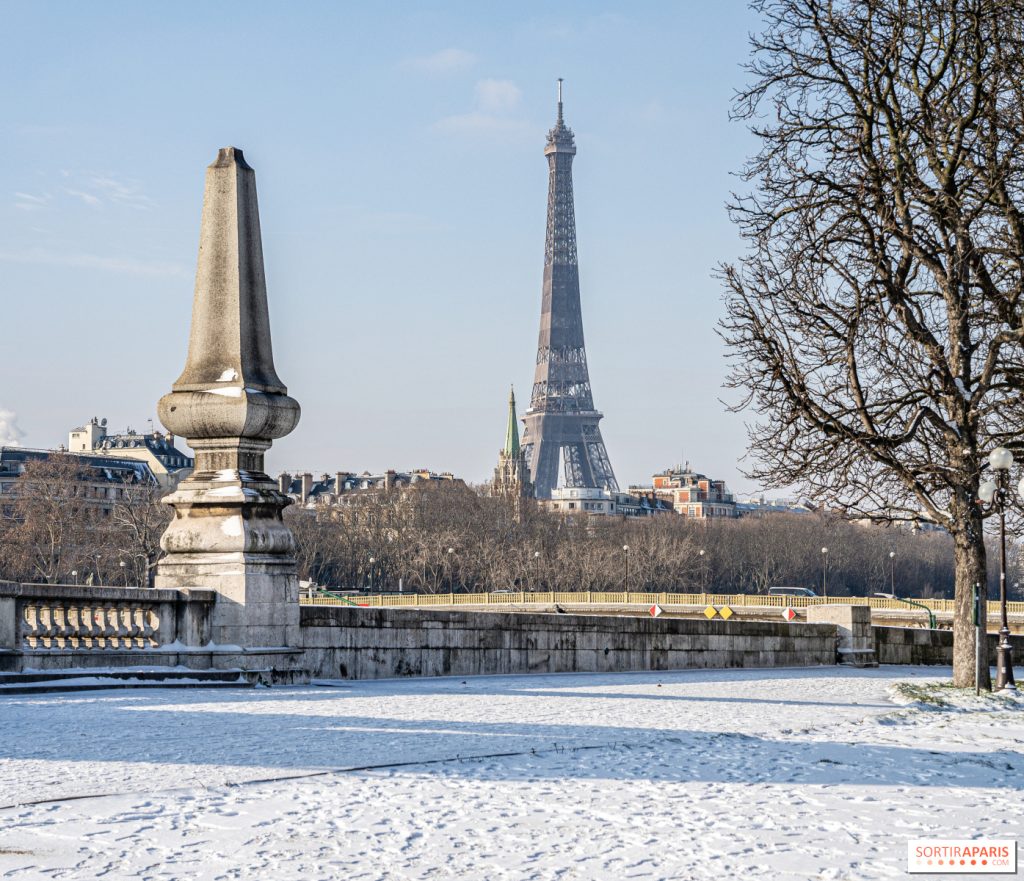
pixel 656 611
pixel 788 613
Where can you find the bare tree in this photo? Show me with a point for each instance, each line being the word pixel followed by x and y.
pixel 138 519
pixel 52 520
pixel 875 321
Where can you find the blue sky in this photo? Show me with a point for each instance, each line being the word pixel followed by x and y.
pixel 398 151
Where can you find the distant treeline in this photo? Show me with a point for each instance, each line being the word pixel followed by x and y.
pixel 450 539
pixel 446 537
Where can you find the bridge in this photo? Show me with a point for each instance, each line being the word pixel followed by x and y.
pixel 910 611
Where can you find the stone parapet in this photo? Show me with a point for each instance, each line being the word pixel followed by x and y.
pixel 916 645
pixel 74 618
pixel 354 643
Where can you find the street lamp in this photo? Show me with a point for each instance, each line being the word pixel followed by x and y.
pixel 124 572
pixel 450 573
pixel 824 572
pixel 703 573
pixel 536 566
pixel 372 561
pixel 892 572
pixel 74 574
pixel 993 495
pixel 625 556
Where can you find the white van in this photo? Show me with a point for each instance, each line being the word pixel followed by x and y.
pixel 791 592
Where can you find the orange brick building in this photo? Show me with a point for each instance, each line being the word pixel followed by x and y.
pixel 691 494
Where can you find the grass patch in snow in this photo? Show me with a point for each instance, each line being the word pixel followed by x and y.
pixel 943 696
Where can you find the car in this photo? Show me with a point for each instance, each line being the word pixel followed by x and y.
pixel 791 592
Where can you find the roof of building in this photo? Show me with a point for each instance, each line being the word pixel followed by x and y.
pixel 108 469
pixel 160 445
pixel 326 484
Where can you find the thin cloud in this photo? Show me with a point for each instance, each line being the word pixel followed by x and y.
pixel 445 61
pixel 494 114
pixel 125 265
pixel 88 198
pixel 652 111
pixel 120 192
pixel 482 124
pixel 497 96
pixel 28 202
pixel 94 189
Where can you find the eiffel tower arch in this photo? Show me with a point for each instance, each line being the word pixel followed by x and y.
pixel 561 432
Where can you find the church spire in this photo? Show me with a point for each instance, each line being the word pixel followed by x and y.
pixel 512 476
pixel 512 432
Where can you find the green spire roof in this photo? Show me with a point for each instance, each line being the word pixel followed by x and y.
pixel 512 432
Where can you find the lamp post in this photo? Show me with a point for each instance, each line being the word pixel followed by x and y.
pixel 74 574
pixel 993 495
pixel 824 572
pixel 124 571
pixel 372 561
pixel 536 567
pixel 703 573
pixel 892 572
pixel 451 573
pixel 625 557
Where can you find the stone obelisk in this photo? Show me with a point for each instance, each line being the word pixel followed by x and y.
pixel 227 534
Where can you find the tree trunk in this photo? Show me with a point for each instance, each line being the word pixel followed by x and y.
pixel 970 569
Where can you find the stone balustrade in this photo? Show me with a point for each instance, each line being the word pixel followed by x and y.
pixel 62 617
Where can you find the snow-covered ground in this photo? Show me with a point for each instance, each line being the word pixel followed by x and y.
pixel 781 774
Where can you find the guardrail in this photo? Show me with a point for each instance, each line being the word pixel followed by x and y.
pixel 62 617
pixel 585 597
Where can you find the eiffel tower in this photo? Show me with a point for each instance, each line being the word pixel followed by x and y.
pixel 561 426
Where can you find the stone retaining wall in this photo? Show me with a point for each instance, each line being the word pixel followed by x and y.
pixel 915 645
pixel 349 643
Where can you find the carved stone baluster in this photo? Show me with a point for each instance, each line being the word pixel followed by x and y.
pixel 124 626
pixel 111 626
pixel 61 630
pixel 109 622
pixel 99 626
pixel 74 619
pixel 30 624
pixel 88 625
pixel 151 627
pixel 47 630
pixel 136 627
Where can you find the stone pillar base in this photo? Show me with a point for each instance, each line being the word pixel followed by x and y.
pixel 855 636
pixel 257 595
